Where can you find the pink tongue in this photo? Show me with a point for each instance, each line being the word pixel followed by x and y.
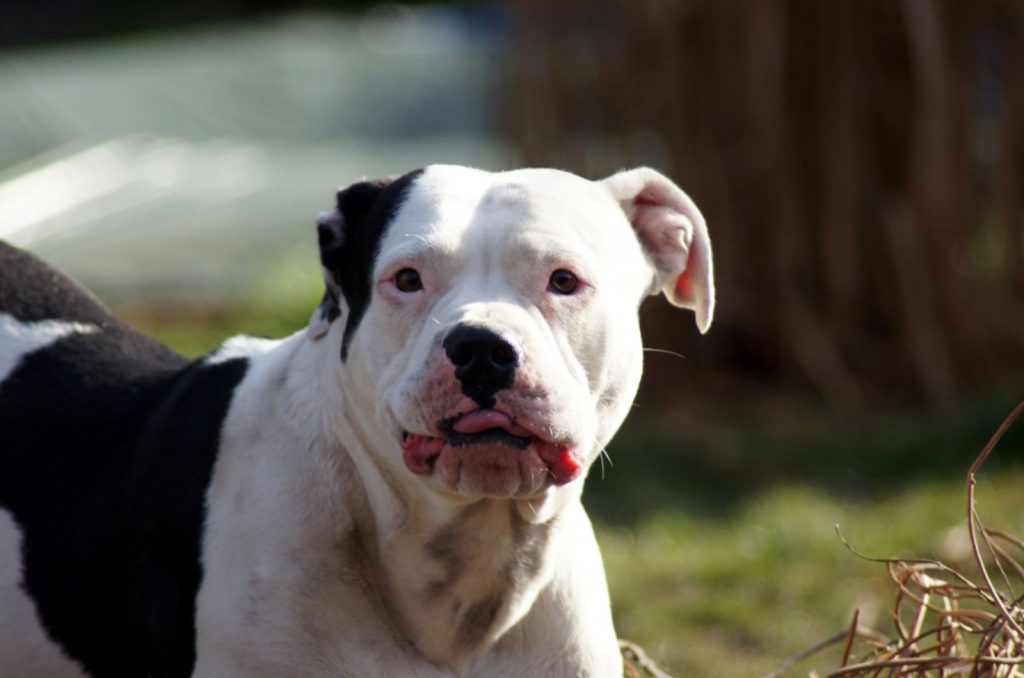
pixel 482 420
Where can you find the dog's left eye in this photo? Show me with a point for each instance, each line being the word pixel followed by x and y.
pixel 408 280
pixel 563 282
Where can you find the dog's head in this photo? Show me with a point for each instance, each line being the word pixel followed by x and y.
pixel 491 319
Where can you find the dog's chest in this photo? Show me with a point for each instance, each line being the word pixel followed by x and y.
pixel 466 580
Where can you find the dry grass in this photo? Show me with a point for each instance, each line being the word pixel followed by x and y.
pixel 946 623
pixel 636 663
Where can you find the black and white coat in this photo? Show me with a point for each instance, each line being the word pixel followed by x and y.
pixel 360 498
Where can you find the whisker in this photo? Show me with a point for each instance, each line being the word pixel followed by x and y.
pixel 416 235
pixel 665 351
pixel 604 455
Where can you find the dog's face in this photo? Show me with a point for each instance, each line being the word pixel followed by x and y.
pixel 494 316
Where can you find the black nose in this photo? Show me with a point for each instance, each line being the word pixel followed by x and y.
pixel 484 362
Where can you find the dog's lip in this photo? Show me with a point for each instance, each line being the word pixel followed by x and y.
pixel 421 451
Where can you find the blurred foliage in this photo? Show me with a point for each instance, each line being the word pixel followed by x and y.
pixel 712 465
pixel 860 165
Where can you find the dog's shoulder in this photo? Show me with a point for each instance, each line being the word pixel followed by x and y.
pixel 44 311
pixel 107 445
pixel 33 291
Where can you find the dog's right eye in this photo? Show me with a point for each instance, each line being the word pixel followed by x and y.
pixel 408 280
pixel 563 282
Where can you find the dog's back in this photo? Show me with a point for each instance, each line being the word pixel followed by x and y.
pixel 96 417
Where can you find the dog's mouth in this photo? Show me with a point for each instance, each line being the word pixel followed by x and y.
pixel 485 426
pixel 487 451
pixel 491 435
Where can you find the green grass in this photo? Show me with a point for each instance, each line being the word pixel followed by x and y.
pixel 736 596
pixel 718 533
pixel 720 544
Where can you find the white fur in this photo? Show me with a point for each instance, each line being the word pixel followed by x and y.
pixel 18 339
pixel 497 276
pixel 241 346
pixel 286 592
pixel 314 551
pixel 282 594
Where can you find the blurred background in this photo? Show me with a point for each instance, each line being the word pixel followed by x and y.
pixel 860 165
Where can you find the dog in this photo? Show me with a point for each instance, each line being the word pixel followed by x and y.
pixel 392 491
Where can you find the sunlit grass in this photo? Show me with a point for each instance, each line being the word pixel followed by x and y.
pixel 736 596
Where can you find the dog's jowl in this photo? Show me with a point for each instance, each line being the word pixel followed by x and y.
pixel 392 491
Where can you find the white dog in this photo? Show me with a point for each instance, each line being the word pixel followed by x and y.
pixel 393 492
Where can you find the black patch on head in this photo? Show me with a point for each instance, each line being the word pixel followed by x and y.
pixel 107 442
pixel 367 209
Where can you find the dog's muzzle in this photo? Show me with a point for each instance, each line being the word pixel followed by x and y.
pixel 486 452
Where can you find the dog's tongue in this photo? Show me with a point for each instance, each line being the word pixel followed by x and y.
pixel 483 420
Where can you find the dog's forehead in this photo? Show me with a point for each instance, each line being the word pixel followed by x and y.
pixel 447 200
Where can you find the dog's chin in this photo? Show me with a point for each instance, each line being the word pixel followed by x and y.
pixel 492 467
pixel 504 460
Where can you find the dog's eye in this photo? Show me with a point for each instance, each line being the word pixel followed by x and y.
pixel 408 280
pixel 563 282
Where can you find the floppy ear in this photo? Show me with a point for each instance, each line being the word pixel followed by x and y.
pixel 330 235
pixel 333 232
pixel 672 231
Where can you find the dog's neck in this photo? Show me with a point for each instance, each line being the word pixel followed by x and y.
pixel 457 586
pixel 454 574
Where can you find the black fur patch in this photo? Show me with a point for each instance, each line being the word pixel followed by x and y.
pixel 367 209
pixel 329 309
pixel 107 445
pixel 32 291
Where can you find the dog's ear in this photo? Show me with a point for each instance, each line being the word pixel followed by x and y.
pixel 333 231
pixel 672 231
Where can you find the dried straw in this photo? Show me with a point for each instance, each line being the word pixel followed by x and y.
pixel 636 663
pixel 946 623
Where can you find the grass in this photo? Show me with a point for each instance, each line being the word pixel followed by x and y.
pixel 736 596
pixel 720 544
pixel 718 532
